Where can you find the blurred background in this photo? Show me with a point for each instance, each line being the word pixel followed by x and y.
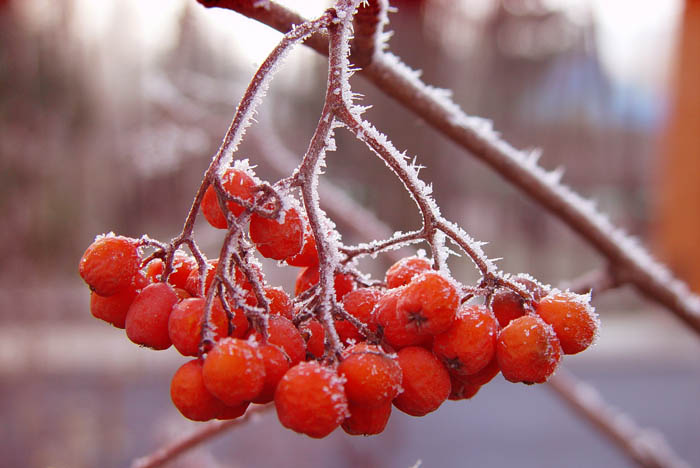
pixel 111 110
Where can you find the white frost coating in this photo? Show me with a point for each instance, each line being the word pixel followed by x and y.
pixel 527 163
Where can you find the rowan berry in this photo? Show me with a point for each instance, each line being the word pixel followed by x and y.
pixel 147 318
pixel 233 412
pixel 366 420
pixel 508 305
pixel 528 350
pixel 190 396
pixel 313 333
pixel 237 183
pixel 470 343
pixel 573 319
pixel 403 271
pixel 360 303
pixel 277 240
pixel 482 377
pixel 279 301
pixel 308 256
pixel 372 377
pixel 282 332
pixel 185 324
pixel 461 390
pixel 308 277
pixel 347 332
pixel 429 302
pixel 109 264
pixel 183 265
pixel 393 325
pixel 426 382
pixel 192 283
pixel 234 371
pixel 276 365
pixel 310 400
pixel 113 309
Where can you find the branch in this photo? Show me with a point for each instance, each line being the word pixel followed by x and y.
pixel 203 433
pixel 646 447
pixel 632 262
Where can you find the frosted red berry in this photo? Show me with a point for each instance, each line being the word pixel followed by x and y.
pixel 185 324
pixel 276 365
pixel 113 309
pixel 236 182
pixel 573 319
pixel 282 332
pixel 361 303
pixel 147 318
pixel 310 400
pixel 470 343
pixel 426 382
pixel 372 378
pixel 308 277
pixel 109 264
pixel 366 420
pixel 429 302
pixel 190 396
pixel 277 240
pixel 308 255
pixel 528 350
pixel 403 271
pixel 234 371
pixel 313 333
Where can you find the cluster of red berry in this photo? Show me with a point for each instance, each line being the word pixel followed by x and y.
pixel 411 341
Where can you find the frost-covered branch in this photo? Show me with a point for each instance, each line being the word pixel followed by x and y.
pixel 630 261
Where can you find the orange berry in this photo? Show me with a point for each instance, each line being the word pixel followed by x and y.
pixel 113 309
pixel 185 324
pixel 236 182
pixel 109 264
pixel 430 302
pixel 470 343
pixel 372 377
pixel 313 333
pixel 277 240
pixel 366 420
pixel 310 400
pixel 403 271
pixel 426 382
pixel 528 350
pixel 276 365
pixel 461 390
pixel 308 256
pixel 360 303
pixel 573 318
pixel 190 396
pixel 147 318
pixel 234 371
pixel 308 277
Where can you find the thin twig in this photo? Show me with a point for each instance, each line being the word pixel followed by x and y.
pixel 646 447
pixel 202 434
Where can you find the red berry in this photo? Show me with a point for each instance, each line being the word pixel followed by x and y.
pixel 147 318
pixel 403 271
pixel 426 382
pixel 347 332
pixel 280 303
pixel 528 350
pixel 277 240
pixel 185 324
pixel 233 412
pixel 109 264
pixel 572 318
pixel 234 371
pixel 310 400
pixel 429 303
pixel 308 256
pixel 282 332
pixel 365 420
pixel 482 377
pixel 276 365
pixel 192 283
pixel 190 396
pixel 315 337
pixel 372 377
pixel 183 265
pixel 308 277
pixel 237 183
pixel 470 343
pixel 394 326
pixel 360 303
pixel 462 390
pixel 113 309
